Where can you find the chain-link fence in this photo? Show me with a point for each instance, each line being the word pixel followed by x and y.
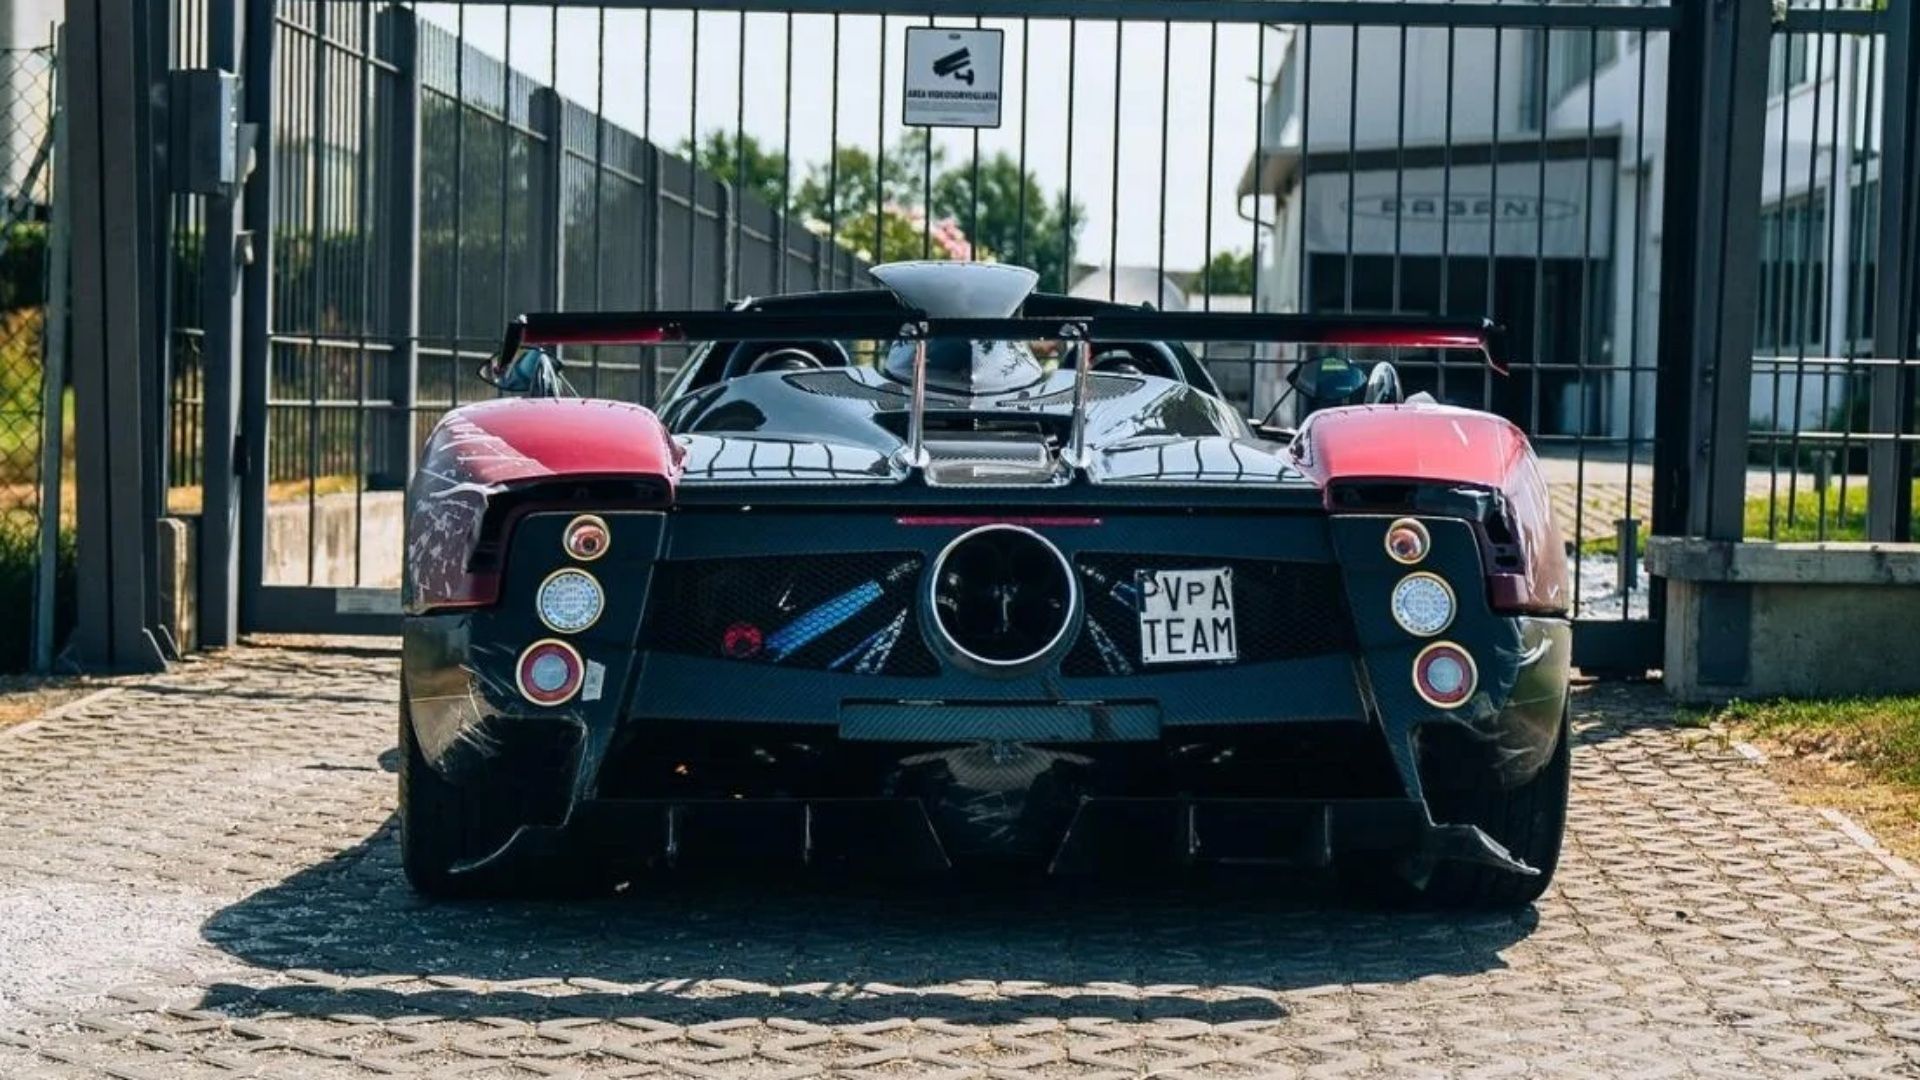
pixel 26 187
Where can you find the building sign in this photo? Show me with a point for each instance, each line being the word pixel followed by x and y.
pixel 1413 211
pixel 953 77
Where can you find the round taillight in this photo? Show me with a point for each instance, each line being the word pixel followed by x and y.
pixel 1408 541
pixel 569 601
pixel 549 672
pixel 586 537
pixel 1422 604
pixel 1444 675
pixel 741 641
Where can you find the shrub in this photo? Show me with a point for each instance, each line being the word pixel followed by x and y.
pixel 18 543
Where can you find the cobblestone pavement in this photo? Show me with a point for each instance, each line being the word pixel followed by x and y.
pixel 198 878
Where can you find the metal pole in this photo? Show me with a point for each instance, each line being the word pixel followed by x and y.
pixel 403 248
pixel 219 571
pixel 1890 457
pixel 256 302
pixel 1716 119
pixel 53 368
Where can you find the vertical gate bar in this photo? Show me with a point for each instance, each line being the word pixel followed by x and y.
pixel 1534 371
pixel 1446 214
pixel 259 76
pixel 1066 198
pixel 786 159
pixel 1259 165
pixel 1805 269
pixel 1634 363
pixel 53 368
pixel 316 212
pixel 1834 343
pixel 1493 199
pixel 403 253
pixel 973 188
pixel 506 154
pixel 151 61
pixel 1865 235
pixel 1113 207
pixel 833 156
pixel 655 243
pixel 693 140
pixel 880 155
pixel 1353 149
pixel 1586 320
pixel 1166 104
pixel 1020 213
pixel 1890 457
pixel 1399 168
pixel 550 118
pixel 365 304
pixel 926 189
pixel 734 287
pixel 1306 166
pixel 219 548
pixel 459 200
pixel 1206 225
pixel 1773 270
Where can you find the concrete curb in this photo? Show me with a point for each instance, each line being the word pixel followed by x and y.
pixel 61 710
pixel 1858 833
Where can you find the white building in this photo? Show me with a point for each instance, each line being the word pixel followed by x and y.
pixel 1553 203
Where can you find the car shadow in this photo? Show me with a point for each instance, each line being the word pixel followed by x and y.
pixel 348 937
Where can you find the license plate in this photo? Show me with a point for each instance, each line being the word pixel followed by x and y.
pixel 1186 615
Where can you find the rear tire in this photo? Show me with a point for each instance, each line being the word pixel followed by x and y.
pixel 1528 820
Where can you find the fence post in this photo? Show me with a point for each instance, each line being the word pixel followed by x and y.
pixel 219 547
pixel 114 350
pixel 548 114
pixel 1716 120
pixel 53 369
pixel 1889 459
pixel 400 446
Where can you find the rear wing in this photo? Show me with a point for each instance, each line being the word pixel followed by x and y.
pixel 680 327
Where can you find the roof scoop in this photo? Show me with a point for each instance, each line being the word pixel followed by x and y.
pixel 958 290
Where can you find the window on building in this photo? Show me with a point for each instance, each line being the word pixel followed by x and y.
pixel 1792 302
pixel 1575 56
pixel 1788 66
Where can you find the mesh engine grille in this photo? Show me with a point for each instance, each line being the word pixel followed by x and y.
pixel 1282 610
pixel 854 613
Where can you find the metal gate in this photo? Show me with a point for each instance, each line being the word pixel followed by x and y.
pixel 425 170
pixel 1699 222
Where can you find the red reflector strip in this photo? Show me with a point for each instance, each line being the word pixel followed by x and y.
pixel 966 521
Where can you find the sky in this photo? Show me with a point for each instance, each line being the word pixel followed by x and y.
pixel 651 83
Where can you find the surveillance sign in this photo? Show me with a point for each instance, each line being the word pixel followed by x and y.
pixel 953 77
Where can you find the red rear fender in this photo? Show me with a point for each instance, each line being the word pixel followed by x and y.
pixel 478 453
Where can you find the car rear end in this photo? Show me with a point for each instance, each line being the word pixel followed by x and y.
pixel 1073 683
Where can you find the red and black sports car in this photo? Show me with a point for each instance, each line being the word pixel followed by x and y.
pixel 949 570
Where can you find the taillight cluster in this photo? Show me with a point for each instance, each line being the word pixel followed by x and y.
pixel 570 600
pixel 1423 605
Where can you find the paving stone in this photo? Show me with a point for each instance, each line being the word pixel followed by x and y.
pixel 198 878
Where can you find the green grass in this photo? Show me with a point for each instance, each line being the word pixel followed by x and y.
pixel 18 544
pixel 1768 519
pixel 1880 735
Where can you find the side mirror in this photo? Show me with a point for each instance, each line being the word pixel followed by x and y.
pixel 534 372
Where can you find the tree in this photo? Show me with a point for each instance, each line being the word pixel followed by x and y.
pixel 756 170
pixel 1228 273
pixel 1011 217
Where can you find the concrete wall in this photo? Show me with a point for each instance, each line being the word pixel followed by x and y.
pixel 370 526
pixel 1756 620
